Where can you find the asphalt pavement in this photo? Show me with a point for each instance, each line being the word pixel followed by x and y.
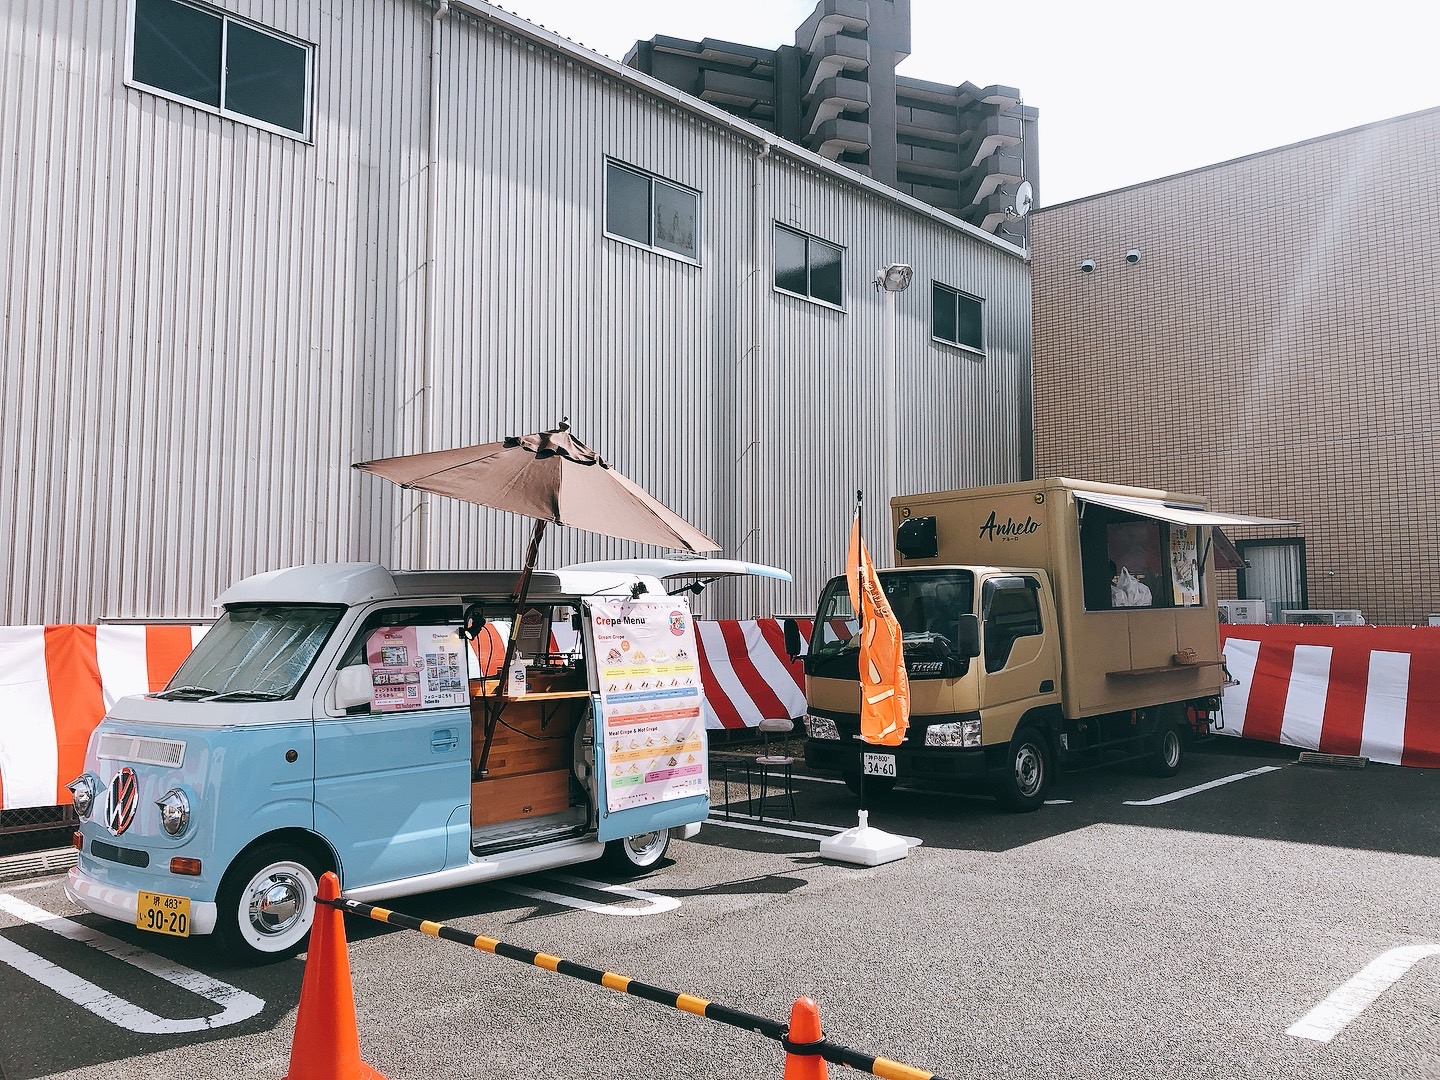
pixel 1108 935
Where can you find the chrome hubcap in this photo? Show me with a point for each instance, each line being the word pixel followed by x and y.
pixel 276 904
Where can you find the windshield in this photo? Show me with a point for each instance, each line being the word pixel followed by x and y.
pixel 927 604
pixel 255 652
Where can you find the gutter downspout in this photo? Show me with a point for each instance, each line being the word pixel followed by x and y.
pixel 751 467
pixel 432 290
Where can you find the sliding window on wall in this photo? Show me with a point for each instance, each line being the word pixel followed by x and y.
pixel 808 266
pixel 648 210
pixel 208 59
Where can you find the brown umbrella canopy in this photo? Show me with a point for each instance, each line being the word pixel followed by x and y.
pixel 550 476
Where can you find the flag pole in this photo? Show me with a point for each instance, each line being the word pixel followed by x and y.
pixel 860 654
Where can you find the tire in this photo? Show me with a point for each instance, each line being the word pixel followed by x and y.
pixel 1021 788
pixel 1168 754
pixel 874 785
pixel 267 903
pixel 635 854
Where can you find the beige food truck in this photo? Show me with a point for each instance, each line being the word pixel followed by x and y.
pixel 1051 623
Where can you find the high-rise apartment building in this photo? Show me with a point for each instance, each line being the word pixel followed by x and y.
pixel 963 149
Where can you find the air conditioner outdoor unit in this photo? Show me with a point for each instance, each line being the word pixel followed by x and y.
pixel 1323 617
pixel 1242 612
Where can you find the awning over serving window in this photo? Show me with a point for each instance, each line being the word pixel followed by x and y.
pixel 1178 513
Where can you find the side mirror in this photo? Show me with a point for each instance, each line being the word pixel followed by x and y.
pixel 352 687
pixel 967 636
pixel 794 643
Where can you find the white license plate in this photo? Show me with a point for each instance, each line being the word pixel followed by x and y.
pixel 163 914
pixel 879 764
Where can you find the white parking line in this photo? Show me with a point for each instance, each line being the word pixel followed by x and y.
pixel 912 841
pixel 1203 787
pixel 1351 998
pixel 946 794
pixel 236 1005
pixel 654 902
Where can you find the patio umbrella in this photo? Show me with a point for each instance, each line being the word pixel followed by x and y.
pixel 550 476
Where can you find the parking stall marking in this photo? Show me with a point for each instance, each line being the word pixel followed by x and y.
pixel 1174 795
pixel 747 826
pixel 235 1004
pixel 1351 998
pixel 654 903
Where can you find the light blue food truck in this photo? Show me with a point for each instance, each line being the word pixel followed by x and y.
pixel 351 718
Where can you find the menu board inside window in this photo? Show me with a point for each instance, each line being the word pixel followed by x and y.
pixel 1185 565
pixel 415 667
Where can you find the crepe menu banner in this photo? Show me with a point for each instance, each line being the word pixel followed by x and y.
pixel 650 698
pixel 415 667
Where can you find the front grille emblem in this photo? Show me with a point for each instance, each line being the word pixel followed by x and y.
pixel 124 797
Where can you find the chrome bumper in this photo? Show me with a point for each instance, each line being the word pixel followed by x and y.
pixel 122 904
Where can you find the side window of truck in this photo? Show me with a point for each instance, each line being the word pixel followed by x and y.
pixel 397 617
pixel 1012 611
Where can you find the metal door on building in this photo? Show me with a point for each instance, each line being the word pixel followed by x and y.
pixel 1274 571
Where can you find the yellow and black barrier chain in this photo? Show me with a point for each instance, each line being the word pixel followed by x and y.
pixel 770 1029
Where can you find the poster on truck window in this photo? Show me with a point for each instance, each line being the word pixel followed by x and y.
pixel 1184 565
pixel 651 720
pixel 415 667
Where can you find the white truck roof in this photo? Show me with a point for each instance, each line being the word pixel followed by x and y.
pixel 357 583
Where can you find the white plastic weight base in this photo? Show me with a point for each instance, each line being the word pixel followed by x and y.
pixel 863 845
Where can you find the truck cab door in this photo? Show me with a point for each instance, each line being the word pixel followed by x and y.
pixel 1017 654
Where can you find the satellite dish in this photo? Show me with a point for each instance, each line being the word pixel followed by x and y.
pixel 1024 196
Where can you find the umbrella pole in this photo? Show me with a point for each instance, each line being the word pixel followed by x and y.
pixel 496 707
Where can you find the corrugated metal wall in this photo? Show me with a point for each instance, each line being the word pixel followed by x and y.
pixel 207 323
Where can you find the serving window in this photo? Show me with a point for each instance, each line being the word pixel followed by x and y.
pixel 1128 561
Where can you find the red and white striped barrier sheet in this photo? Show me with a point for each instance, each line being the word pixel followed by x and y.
pixel 57 684
pixel 1368 691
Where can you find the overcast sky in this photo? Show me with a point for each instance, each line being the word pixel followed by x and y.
pixel 1127 91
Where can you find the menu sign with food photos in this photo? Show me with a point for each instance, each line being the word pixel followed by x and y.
pixel 415 667
pixel 651 723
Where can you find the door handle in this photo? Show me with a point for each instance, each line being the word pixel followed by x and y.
pixel 444 740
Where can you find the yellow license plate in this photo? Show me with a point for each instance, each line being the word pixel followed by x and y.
pixel 161 913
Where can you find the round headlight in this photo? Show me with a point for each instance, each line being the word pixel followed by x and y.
pixel 174 811
pixel 82 793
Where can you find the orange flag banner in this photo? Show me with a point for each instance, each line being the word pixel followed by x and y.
pixel 884 687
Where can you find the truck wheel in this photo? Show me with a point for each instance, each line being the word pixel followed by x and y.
pixel 874 785
pixel 635 853
pixel 267 903
pixel 1169 752
pixel 1026 778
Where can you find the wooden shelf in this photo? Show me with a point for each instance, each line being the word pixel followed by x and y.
pixel 1166 667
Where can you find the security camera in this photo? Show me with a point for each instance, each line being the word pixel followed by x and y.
pixel 1088 266
pixel 1132 256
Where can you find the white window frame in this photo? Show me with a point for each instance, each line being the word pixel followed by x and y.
pixel 653 178
pixel 968 350
pixel 226 18
pixel 775 287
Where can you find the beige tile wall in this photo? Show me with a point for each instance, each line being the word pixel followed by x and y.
pixel 1276 349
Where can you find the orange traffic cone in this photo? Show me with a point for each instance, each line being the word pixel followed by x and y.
pixel 327 1041
pixel 805 1028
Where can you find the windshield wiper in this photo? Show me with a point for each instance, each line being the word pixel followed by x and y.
pixel 245 695
pixel 195 693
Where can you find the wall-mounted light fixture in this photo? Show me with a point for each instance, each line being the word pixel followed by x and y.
pixel 1132 256
pixel 1087 266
